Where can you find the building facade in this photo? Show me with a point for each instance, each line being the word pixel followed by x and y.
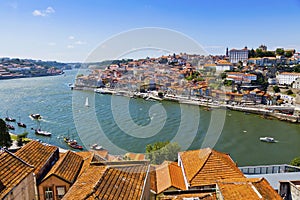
pixel 236 55
pixel 287 78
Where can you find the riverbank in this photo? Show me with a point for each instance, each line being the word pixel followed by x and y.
pixel 267 112
pixel 29 76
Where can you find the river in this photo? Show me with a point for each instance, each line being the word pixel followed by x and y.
pixel 123 124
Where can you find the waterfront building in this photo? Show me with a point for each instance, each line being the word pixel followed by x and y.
pixel 166 177
pixel 61 177
pixel 287 78
pixel 42 157
pixel 237 55
pixel 16 178
pixel 206 174
pixel 205 166
pixel 113 180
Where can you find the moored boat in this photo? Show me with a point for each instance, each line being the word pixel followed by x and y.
pixel 10 127
pixel 40 132
pixel 267 139
pixel 20 124
pixel 9 119
pixel 75 145
pixel 36 116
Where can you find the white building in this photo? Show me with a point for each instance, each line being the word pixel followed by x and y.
pixel 287 78
pixel 223 65
pixel 296 84
pixel 236 55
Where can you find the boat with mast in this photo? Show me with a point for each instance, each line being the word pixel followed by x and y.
pixel 39 131
pixel 20 124
pixel 72 143
pixel 9 119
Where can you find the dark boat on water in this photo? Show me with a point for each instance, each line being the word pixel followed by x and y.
pixel 10 127
pixel 20 124
pixel 72 143
pixel 9 119
pixel 36 116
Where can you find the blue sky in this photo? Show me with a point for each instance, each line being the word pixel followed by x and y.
pixel 66 30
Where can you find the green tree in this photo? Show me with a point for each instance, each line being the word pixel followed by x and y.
pixel 297 68
pixel 295 162
pixel 251 53
pixel 288 54
pixel 289 92
pixel 5 140
pixel 158 152
pixel 279 51
pixel 259 53
pixel 276 89
pixel 223 75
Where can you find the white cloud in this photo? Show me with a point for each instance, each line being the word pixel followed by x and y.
pixel 71 37
pixel 43 13
pixel 80 42
pixel 70 46
pixel 49 10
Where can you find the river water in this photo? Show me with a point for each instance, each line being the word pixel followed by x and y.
pixel 122 124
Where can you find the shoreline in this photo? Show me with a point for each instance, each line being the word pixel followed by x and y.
pixel 34 76
pixel 267 112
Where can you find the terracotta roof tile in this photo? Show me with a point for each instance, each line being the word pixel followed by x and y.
pixel 265 189
pixel 12 171
pixel 36 154
pixel 85 183
pixel 67 167
pixel 168 174
pixel 87 157
pixel 205 166
pixel 126 182
pixel 202 196
pixel 247 188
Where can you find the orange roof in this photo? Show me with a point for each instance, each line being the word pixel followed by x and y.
pixel 247 188
pixel 67 167
pixel 85 183
pixel 36 154
pixel 168 174
pixel 205 166
pixel 202 196
pixel 122 182
pixel 12 171
pixel 87 157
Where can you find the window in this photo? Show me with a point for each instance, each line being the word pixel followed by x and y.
pixel 48 193
pixel 61 191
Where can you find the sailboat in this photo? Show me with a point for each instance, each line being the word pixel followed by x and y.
pixel 9 119
pixel 39 131
pixel 87 102
pixel 20 124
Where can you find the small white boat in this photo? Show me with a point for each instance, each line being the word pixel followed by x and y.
pixel 40 132
pixel 267 139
